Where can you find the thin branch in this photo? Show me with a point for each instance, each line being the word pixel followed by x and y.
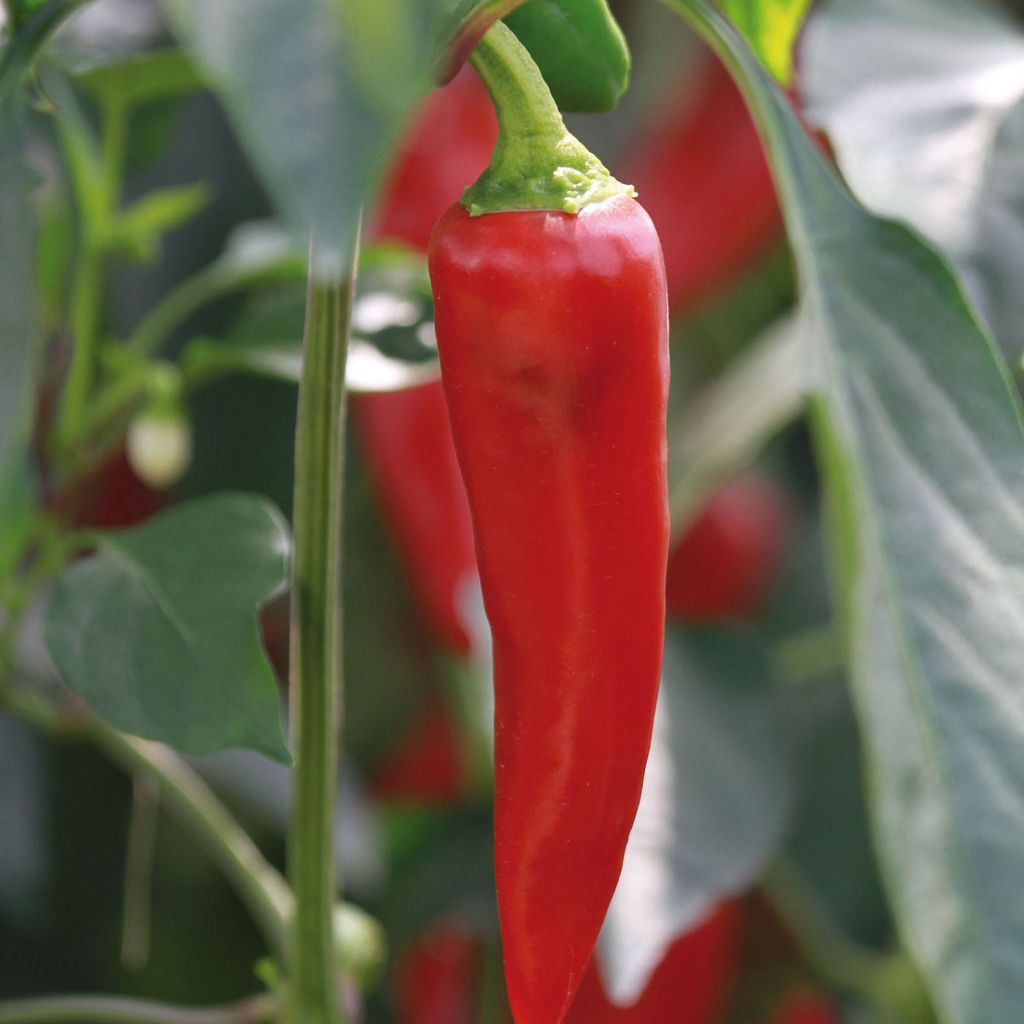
pixel 188 798
pixel 96 1009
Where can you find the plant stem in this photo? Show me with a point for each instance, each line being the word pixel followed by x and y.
pixel 316 649
pixel 888 981
pixel 216 281
pixel 536 164
pixel 97 207
pixel 94 1009
pixel 260 886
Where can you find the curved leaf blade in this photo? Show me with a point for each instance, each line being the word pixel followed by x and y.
pixel 921 438
pixel 924 104
pixel 157 631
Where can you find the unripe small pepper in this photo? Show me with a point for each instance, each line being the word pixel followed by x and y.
pixel 552 327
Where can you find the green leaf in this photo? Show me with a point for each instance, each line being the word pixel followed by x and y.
pixel 17 335
pixel 715 804
pixel 577 44
pixel 142 78
pixel 139 229
pixel 579 49
pixel 157 631
pixel 771 27
pixel 922 443
pixel 924 105
pixel 317 90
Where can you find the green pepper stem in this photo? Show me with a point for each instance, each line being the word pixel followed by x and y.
pixel 537 164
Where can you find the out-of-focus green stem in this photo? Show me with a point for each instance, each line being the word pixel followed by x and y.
pixel 186 796
pixel 90 1009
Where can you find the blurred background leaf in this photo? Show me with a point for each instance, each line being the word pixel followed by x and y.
pixel 717 796
pixel 316 94
pixel 17 331
pixel 923 102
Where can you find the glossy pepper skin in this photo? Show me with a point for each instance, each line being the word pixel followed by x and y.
pixel 691 985
pixel 553 337
pixel 704 179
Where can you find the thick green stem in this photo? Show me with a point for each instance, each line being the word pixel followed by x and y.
pixel 119 1010
pixel 316 650
pixel 536 164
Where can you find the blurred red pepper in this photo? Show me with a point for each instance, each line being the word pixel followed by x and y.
pixel 114 497
pixel 410 459
pixel 691 985
pixel 721 568
pixel 806 1008
pixel 436 979
pixel 448 144
pixel 701 173
pixel 405 435
pixel 427 767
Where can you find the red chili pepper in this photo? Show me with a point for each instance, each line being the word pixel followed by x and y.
pixel 405 436
pixel 722 566
pixel 436 979
pixel 807 1008
pixel 702 175
pixel 690 986
pixel 553 335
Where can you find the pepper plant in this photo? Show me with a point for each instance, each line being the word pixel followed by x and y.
pixel 818 736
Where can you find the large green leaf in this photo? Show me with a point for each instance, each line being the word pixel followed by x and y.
pixel 17 326
pixel 924 105
pixel 921 439
pixel 316 90
pixel 771 28
pixel 717 795
pixel 157 631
